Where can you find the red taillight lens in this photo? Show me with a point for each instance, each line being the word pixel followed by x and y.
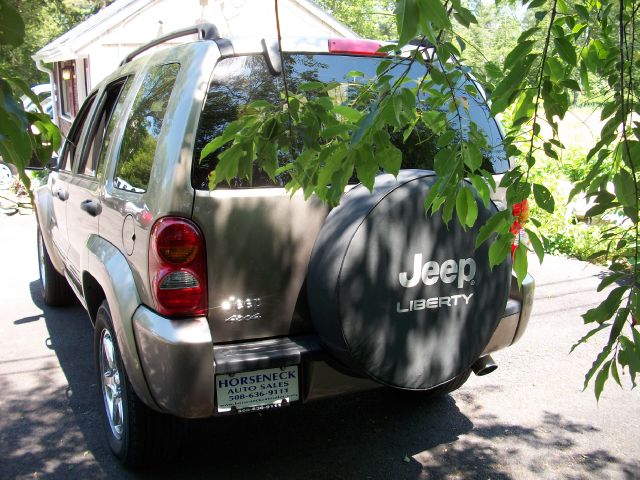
pixel 177 268
pixel 521 213
pixel 178 243
pixel 354 46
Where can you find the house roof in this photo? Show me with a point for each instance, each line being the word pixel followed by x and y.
pixel 67 46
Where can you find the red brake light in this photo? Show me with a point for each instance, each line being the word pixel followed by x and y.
pixel 355 46
pixel 177 268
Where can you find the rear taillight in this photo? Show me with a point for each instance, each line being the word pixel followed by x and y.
pixel 177 268
pixel 521 213
pixel 355 46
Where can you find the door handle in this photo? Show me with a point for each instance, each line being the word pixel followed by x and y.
pixel 92 207
pixel 62 194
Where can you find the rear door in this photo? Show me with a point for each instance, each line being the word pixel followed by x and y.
pixel 60 180
pixel 85 188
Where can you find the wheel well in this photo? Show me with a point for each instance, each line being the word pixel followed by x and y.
pixel 93 295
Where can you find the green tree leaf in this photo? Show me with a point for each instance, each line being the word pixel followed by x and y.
pixel 433 11
pixel 520 263
pixel 543 197
pixel 589 334
pixel 601 378
pixel 11 25
pixel 466 207
pixel 496 223
pixel 566 50
pixel 607 308
pixel 407 20
pixel 519 51
pixel 602 356
pixel 625 188
pixel 536 243
pixel 500 249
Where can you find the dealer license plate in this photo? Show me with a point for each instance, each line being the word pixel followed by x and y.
pixel 271 387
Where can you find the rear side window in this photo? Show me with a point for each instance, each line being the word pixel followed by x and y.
pixel 236 82
pixel 240 80
pixel 143 127
pixel 101 129
pixel 68 158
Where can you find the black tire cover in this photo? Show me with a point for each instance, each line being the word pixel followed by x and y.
pixel 372 310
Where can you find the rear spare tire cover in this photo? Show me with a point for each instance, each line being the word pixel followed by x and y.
pixel 403 298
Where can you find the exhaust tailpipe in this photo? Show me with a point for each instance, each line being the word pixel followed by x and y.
pixel 484 365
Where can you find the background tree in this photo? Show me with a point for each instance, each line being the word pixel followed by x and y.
pixel 43 22
pixel 368 18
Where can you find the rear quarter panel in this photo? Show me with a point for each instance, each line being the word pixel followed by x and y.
pixel 259 242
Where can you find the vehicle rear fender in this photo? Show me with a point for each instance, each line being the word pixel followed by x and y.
pixel 110 269
pixel 44 215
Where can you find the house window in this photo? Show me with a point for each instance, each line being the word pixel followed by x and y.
pixel 68 94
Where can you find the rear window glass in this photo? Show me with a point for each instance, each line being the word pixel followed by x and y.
pixel 240 80
pixel 140 138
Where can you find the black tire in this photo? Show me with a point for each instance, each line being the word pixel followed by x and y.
pixel 137 435
pixel 54 287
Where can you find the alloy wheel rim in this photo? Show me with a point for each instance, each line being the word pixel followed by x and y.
pixel 111 386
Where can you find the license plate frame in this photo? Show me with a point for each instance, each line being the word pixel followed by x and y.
pixel 257 389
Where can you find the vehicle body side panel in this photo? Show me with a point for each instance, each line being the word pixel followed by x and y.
pixel 80 225
pixel 111 269
pixel 58 186
pixel 47 222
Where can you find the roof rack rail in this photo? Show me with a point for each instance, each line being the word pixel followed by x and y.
pixel 205 31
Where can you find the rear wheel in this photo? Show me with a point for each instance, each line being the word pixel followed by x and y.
pixel 137 435
pixel 55 289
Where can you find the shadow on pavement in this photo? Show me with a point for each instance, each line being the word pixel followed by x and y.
pixel 57 430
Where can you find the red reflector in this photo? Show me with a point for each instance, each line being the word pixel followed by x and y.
pixel 354 46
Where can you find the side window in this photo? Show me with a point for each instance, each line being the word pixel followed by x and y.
pixel 102 128
pixel 143 127
pixel 68 158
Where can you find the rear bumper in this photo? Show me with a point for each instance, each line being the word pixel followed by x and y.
pixel 177 359
pixel 516 316
pixel 180 362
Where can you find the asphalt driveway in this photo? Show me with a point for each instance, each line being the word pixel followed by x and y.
pixel 529 419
